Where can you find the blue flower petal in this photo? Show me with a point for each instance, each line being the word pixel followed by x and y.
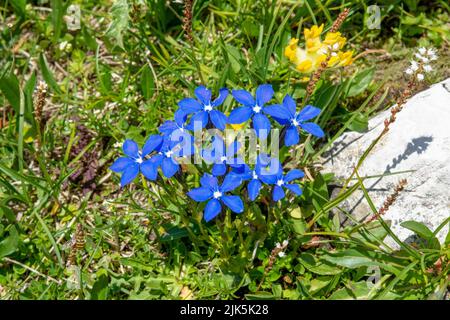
pixel 168 127
pixel 169 167
pixel 223 93
pixel 190 105
pixel 156 159
pixel 153 142
pixel 218 119
pixel 200 194
pixel 244 97
pixel 129 174
pixel 187 145
pixel 234 203
pixel 212 209
pixel 242 171
pixel 230 182
pixel 292 137
pixel 307 113
pixel 313 129
pixel 180 117
pixel 237 163
pixel 199 121
pixel 130 148
pixel 295 188
pixel 293 174
pixel 253 189
pixel 240 115
pixel 208 181
pixel 267 178
pixel 290 105
pixel 261 124
pixel 264 94
pixel 149 169
pixel 219 169
pixel 203 94
pixel 278 193
pixel 278 112
pixel 121 164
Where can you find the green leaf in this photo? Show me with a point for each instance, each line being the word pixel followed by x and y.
pixel 422 231
pixel 262 295
pixel 358 291
pixel 47 74
pixel 174 233
pixel 10 244
pixel 100 288
pixel 372 231
pixel 311 263
pixel 57 18
pixel 19 7
pixel 119 23
pixel 360 123
pixel 235 57
pixel 447 238
pixel 9 214
pixel 350 259
pixel 147 82
pixel 360 82
pixel 9 85
pixel 28 92
pixel 356 258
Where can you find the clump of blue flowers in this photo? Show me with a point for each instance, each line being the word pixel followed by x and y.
pixel 227 179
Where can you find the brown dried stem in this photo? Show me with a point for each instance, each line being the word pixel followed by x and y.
pixel 187 19
pixel 389 200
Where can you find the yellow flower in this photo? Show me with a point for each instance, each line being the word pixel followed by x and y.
pixel 345 58
pixel 236 127
pixel 333 38
pixel 316 51
pixel 314 32
pixel 312 38
pixel 305 66
pixel 291 50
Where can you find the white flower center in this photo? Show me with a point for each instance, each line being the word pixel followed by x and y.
pixel 256 109
pixel 222 159
pixel 169 153
pixel 280 182
pixel 139 160
pixel 295 122
pixel 208 108
pixel 255 176
pixel 217 194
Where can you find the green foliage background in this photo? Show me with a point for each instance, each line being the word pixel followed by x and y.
pixel 119 76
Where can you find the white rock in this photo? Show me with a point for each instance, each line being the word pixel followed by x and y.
pixel 419 140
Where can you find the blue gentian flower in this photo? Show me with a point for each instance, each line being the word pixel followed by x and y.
pixel 210 190
pixel 135 161
pixel 221 156
pixel 286 115
pixel 167 157
pixel 257 176
pixel 176 125
pixel 203 110
pixel 282 181
pixel 253 108
pixel 176 131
